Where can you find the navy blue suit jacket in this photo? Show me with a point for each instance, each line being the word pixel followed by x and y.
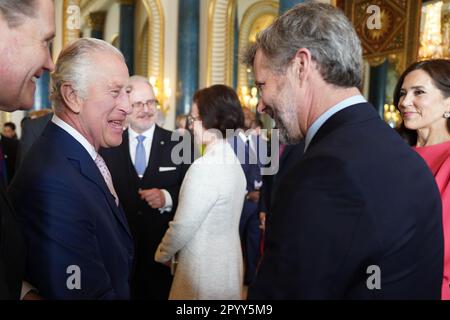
pixel 359 197
pixel 69 218
pixel 251 170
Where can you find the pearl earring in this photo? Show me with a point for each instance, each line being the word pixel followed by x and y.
pixel 447 114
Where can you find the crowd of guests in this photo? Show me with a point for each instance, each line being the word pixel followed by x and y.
pixel 110 212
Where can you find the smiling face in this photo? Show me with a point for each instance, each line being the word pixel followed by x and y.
pixel 422 104
pixel 143 100
pixel 25 55
pixel 103 112
pixel 277 99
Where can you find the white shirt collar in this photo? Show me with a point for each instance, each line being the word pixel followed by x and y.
pixel 76 135
pixel 148 134
pixel 330 112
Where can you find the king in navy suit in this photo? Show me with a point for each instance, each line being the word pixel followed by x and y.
pixel 358 216
pixel 79 242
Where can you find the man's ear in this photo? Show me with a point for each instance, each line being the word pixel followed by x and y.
pixel 302 63
pixel 70 97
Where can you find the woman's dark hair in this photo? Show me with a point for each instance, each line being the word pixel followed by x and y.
pixel 439 72
pixel 219 108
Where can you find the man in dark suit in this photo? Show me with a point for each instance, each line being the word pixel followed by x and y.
pixel 80 246
pixel 26 27
pixel 359 216
pixel 32 128
pixel 147 181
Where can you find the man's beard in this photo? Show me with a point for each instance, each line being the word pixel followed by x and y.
pixel 287 134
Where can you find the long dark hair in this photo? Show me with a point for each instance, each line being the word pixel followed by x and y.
pixel 439 71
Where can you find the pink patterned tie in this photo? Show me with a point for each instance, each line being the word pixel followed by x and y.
pixel 107 176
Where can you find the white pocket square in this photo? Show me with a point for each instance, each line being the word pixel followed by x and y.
pixel 164 169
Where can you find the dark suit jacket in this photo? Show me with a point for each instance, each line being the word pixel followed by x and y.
pixel 151 280
pixel 31 130
pixel 359 197
pixel 12 250
pixel 70 219
pixel 290 156
pixel 9 148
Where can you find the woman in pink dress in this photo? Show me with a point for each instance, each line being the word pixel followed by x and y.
pixel 423 97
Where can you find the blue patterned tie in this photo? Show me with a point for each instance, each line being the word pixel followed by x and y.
pixel 139 161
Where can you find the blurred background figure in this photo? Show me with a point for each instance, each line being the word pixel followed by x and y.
pixel 180 123
pixel 423 97
pixel 9 130
pixel 204 235
pixel 32 127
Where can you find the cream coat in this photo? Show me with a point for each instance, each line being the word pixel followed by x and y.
pixel 205 231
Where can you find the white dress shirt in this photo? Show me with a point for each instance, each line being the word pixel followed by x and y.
pixel 132 135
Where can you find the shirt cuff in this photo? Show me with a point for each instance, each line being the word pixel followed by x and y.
pixel 26 287
pixel 169 202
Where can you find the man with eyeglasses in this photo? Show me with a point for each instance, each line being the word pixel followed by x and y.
pixel 147 182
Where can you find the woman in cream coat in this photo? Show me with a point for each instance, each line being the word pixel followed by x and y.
pixel 204 235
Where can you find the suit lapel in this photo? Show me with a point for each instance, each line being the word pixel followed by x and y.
pixel 89 169
pixel 125 154
pixel 74 151
pixel 155 154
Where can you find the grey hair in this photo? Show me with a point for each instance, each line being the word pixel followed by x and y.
pixel 74 65
pixel 322 29
pixel 141 79
pixel 14 11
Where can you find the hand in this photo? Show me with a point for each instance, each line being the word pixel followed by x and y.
pixel 253 196
pixel 32 295
pixel 262 220
pixel 154 197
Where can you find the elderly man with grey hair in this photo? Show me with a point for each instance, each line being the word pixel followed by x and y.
pixel 80 246
pixel 148 181
pixel 359 215
pixel 26 29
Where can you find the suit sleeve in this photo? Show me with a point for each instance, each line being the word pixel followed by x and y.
pixel 316 216
pixel 197 196
pixel 64 260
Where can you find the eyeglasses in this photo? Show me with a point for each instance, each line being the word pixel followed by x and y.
pixel 149 103
pixel 191 119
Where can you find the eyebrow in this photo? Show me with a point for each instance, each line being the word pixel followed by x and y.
pixel 415 87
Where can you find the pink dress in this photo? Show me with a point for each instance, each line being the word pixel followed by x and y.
pixel 438 159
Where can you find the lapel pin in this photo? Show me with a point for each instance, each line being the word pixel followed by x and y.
pixel 162 143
